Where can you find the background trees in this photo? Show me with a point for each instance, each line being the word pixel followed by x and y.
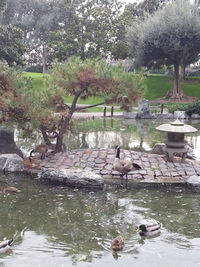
pixel 170 36
pixel 12 45
pixel 86 28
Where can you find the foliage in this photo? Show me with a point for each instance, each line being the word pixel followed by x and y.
pixel 12 45
pixel 83 79
pixel 192 108
pixel 94 78
pixel 132 12
pixel 167 37
pixel 36 19
pixel 86 28
pixel 37 79
pixel 43 107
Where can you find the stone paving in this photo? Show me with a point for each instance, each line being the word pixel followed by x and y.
pixel 154 170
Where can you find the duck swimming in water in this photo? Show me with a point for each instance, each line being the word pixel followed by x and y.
pixel 11 189
pixel 117 243
pixel 5 245
pixel 149 230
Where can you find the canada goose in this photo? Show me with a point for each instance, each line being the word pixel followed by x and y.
pixel 124 166
pixel 117 243
pixel 149 230
pixel 42 150
pixel 5 245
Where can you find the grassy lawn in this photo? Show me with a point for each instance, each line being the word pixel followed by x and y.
pixel 191 89
pixel 36 78
pixel 155 87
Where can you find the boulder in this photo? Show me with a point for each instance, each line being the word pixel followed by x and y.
pixel 7 143
pixel 159 148
pixel 195 116
pixel 190 152
pixel 162 116
pixel 180 114
pixel 143 111
pixel 194 180
pixel 11 163
pixel 129 115
pixel 77 178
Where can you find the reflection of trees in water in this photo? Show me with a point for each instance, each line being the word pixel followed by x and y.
pixel 139 135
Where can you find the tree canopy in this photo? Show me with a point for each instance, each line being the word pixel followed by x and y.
pixel 12 45
pixel 167 37
pixel 46 110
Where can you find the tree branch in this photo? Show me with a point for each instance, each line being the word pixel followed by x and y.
pixel 91 106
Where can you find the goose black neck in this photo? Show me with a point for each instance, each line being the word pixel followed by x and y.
pixel 118 153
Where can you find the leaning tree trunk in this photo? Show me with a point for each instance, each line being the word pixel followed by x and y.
pixel 176 92
pixel 64 126
pixel 45 136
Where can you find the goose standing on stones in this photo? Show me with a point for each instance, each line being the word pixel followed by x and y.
pixel 124 166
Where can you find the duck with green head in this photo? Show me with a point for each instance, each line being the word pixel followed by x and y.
pixel 149 230
pixel 5 245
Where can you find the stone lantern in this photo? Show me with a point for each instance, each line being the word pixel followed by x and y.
pixel 175 142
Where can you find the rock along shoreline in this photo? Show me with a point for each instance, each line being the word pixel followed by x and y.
pixel 92 168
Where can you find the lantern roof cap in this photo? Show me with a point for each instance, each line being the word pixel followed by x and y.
pixel 176 127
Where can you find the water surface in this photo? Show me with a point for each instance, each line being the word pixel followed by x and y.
pixel 138 135
pixel 54 226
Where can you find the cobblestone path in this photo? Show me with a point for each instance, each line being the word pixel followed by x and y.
pixel 154 167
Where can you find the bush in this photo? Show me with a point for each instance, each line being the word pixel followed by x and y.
pixel 175 107
pixel 193 108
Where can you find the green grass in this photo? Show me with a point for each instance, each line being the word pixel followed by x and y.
pixel 90 100
pixel 36 78
pixel 191 89
pixel 155 86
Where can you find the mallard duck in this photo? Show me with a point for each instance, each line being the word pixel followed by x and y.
pixel 124 166
pixel 149 230
pixel 5 245
pixel 11 189
pixel 117 243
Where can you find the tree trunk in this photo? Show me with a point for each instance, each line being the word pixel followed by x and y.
pixel 64 126
pixel 45 136
pixel 182 74
pixel 44 57
pixel 176 92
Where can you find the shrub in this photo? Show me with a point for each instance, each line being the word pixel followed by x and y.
pixel 175 107
pixel 193 108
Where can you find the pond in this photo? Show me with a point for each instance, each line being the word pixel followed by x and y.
pixel 58 227
pixel 138 135
pixel 55 226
